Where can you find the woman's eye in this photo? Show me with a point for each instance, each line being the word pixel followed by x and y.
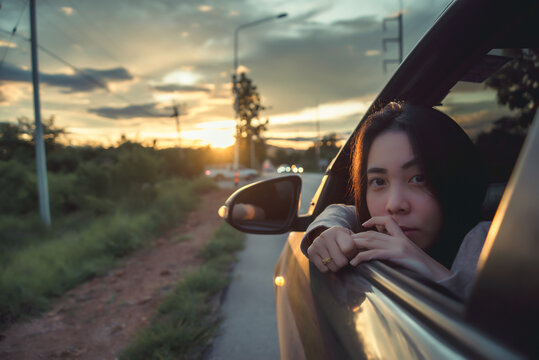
pixel 376 182
pixel 417 179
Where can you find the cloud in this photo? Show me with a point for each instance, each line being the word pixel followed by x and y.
pixel 148 110
pixel 340 137
pixel 297 138
pixel 87 80
pixel 465 108
pixel 205 8
pixel 11 93
pixel 360 23
pixel 308 15
pixel 372 52
pixel 9 44
pixel 67 10
pixel 181 88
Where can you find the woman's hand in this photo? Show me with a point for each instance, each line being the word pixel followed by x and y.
pixel 392 244
pixel 332 249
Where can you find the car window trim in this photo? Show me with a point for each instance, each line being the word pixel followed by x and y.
pixel 436 310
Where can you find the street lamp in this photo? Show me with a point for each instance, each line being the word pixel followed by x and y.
pixel 235 79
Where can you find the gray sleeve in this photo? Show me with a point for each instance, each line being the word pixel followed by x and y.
pixel 465 263
pixel 333 215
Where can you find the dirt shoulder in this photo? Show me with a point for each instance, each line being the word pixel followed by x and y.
pixel 96 319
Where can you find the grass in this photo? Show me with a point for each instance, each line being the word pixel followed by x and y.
pixel 180 238
pixel 187 319
pixel 51 262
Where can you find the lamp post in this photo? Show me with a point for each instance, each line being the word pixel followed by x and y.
pixel 235 80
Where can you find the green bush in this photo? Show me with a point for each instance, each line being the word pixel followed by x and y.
pixel 31 275
pixel 64 196
pixel 204 184
pixel 134 167
pixel 18 231
pixel 19 187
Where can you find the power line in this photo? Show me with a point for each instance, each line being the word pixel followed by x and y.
pixel 12 34
pixel 80 72
pixel 77 26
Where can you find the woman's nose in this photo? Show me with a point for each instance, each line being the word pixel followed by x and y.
pixel 397 202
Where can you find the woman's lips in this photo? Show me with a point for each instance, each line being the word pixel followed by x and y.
pixel 408 231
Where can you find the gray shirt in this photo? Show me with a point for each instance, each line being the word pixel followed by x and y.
pixel 463 267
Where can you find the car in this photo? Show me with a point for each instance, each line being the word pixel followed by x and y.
pixel 226 172
pixel 375 311
pixel 285 168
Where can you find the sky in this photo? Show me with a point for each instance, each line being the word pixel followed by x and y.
pixel 323 61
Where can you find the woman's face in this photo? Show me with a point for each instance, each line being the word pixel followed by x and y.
pixel 396 187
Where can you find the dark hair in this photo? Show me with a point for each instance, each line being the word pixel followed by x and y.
pixel 448 159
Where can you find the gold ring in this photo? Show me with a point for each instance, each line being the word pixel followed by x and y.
pixel 327 260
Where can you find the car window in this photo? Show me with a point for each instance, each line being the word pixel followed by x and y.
pixel 495 103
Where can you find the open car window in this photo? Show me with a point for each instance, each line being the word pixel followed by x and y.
pixel 495 103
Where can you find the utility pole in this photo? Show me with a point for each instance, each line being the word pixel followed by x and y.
pixel 41 164
pixel 397 39
pixel 318 139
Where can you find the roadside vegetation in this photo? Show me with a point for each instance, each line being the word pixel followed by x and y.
pixel 187 319
pixel 105 202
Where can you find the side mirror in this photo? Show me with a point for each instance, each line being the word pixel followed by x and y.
pixel 265 207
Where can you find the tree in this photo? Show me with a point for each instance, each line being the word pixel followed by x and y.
pixel 517 85
pixel 51 133
pixel 11 141
pixel 250 125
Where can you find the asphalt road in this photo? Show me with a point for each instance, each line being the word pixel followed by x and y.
pixel 249 328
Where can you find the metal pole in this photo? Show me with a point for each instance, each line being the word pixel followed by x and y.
pixel 41 165
pixel 236 102
pixel 253 160
pixel 318 139
pixel 235 82
pixel 400 36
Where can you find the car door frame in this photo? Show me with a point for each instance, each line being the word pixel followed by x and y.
pixel 466 328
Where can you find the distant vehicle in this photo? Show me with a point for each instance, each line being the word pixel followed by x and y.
pixel 267 166
pixel 221 172
pixel 296 169
pixel 375 310
pixel 285 168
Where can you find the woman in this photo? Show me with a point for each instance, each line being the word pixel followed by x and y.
pixel 418 185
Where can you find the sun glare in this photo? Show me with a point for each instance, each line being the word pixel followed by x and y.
pixel 217 138
pixel 181 77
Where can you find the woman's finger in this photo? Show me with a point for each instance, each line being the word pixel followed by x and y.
pixel 387 222
pixel 374 236
pixel 346 244
pixel 318 252
pixel 338 259
pixel 323 243
pixel 368 255
pixel 316 259
pixel 371 244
